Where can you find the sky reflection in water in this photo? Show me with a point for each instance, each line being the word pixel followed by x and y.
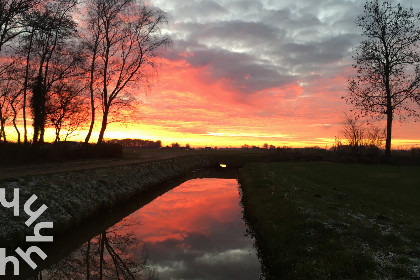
pixel 196 231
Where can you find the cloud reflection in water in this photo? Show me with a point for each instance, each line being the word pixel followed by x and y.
pixel 196 231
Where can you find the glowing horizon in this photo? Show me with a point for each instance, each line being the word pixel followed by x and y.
pixel 200 141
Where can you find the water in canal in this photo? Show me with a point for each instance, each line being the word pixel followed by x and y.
pixel 194 231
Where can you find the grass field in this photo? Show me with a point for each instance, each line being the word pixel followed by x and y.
pixel 334 221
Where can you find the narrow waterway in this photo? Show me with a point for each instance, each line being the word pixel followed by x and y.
pixel 194 231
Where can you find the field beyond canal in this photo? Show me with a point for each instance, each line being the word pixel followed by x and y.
pixel 334 221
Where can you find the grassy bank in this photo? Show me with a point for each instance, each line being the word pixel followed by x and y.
pixel 334 221
pixel 72 197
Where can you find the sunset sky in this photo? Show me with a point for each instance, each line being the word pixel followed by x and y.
pixel 254 72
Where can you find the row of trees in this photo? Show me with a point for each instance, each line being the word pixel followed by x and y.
pixel 62 59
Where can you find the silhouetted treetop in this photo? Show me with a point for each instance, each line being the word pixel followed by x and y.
pixel 387 62
pixel 12 14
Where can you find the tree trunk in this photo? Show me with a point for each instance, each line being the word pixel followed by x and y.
pixel 35 136
pixel 2 124
pixel 25 130
pixel 37 106
pixel 92 100
pixel 103 126
pixel 101 255
pixel 388 134
pixel 389 114
pixel 88 261
pixel 3 133
pixel 389 109
pixel 92 121
pixel 41 135
pixel 25 88
pixel 14 123
pixel 57 134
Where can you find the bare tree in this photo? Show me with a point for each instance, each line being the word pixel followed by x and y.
pixel 360 133
pixel 53 29
pixel 126 41
pixel 375 136
pixel 93 41
pixel 26 51
pixel 77 120
pixel 388 63
pixel 353 131
pixel 15 23
pixel 10 96
pixel 64 107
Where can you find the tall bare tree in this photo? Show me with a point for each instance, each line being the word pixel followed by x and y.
pixel 26 51
pixel 93 40
pixel 387 82
pixel 128 39
pixel 13 24
pixel 10 96
pixel 54 28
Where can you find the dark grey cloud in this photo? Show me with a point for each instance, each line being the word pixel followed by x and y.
pixel 247 74
pixel 250 33
pixel 258 44
pixel 293 22
pixel 318 53
pixel 196 10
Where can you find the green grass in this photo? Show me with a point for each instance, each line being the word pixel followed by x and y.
pixel 334 221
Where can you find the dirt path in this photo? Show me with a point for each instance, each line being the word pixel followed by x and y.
pixel 58 167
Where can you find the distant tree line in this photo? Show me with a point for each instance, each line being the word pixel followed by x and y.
pixel 138 143
pixel 65 62
pixel 265 147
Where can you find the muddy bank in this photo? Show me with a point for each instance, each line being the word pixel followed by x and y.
pixel 74 196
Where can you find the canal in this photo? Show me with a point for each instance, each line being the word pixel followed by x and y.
pixel 193 231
